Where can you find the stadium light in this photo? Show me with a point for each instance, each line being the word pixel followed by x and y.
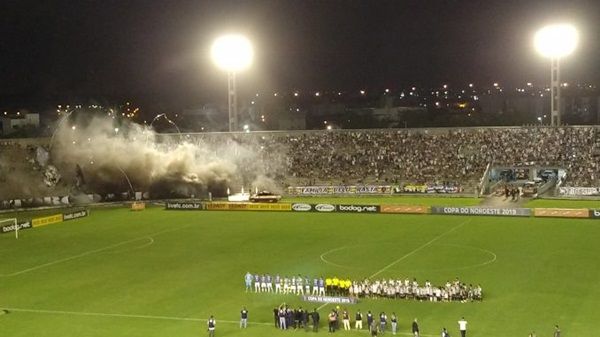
pixel 555 42
pixel 232 53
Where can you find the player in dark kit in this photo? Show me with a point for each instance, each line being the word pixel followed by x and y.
pixel 298 317
pixel 369 320
pixel 415 328
pixel 315 318
pixel 243 318
pixel 382 321
pixel 211 326
pixel 305 319
pixel 358 321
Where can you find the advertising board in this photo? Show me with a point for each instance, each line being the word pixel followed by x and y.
pixel 401 209
pixel 561 213
pixel 327 208
pixel 595 213
pixel 176 205
pixel 455 210
pixel 11 227
pixel 75 215
pixel 302 207
pixel 246 206
pixel 47 220
pixel 357 208
pixel 329 299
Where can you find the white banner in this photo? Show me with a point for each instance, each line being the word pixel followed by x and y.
pixel 336 190
pixel 329 299
pixel 579 191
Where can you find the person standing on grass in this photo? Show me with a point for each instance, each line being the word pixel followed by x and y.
pixel 556 331
pixel 277 284
pixel 394 320
pixel 382 321
pixel 462 326
pixel 358 321
pixel 211 326
pixel 415 328
pixel 332 318
pixel 282 321
pixel 269 283
pixel 315 289
pixel 256 283
pixel 263 283
pixel 445 333
pixel 346 319
pixel 369 319
pixel 315 318
pixel 307 285
pixel 244 318
pixel 248 279
pixel 321 286
pixel 373 328
pixel 305 314
pixel 276 317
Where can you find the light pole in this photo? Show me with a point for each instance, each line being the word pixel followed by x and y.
pixel 232 53
pixel 556 42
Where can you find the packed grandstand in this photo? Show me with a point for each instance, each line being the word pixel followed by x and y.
pixel 448 157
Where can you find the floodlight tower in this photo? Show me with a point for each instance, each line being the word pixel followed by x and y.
pixel 556 42
pixel 232 53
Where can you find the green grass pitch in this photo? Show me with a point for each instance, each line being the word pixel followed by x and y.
pixel 162 273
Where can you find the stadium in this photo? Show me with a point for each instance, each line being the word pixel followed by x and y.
pixel 418 204
pixel 373 168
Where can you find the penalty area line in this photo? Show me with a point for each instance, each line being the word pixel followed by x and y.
pixel 90 252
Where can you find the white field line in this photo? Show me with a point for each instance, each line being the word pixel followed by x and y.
pixel 323 306
pixel 89 252
pixel 103 314
pixel 170 318
pixel 322 257
pixel 400 259
pixel 149 243
pixel 417 249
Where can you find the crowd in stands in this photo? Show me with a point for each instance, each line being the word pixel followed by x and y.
pixel 421 156
pixel 434 157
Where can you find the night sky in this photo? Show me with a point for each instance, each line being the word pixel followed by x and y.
pixel 156 52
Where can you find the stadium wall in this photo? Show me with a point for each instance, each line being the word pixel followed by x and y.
pixel 45 220
pixel 386 209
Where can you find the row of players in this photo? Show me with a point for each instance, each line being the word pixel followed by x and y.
pixel 451 291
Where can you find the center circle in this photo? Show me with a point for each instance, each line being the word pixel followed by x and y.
pixel 435 257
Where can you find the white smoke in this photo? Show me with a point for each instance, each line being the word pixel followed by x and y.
pixel 107 159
